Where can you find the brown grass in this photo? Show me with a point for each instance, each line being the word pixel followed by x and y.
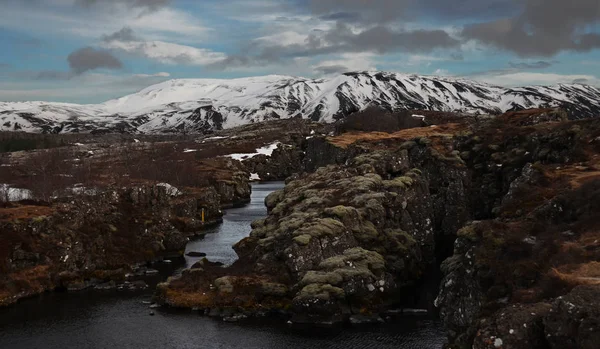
pixel 445 130
pixel 25 212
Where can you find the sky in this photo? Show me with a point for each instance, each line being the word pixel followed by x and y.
pixel 89 51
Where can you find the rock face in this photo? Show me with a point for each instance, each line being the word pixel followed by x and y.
pixel 92 240
pixel 346 239
pixel 532 260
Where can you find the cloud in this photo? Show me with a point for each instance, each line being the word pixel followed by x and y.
pixel 325 69
pixel 542 28
pixel 340 39
pixel 89 58
pixel 126 41
pixel 382 11
pixel 125 34
pixel 51 75
pixel 345 63
pixel 512 79
pixel 532 65
pixel 98 87
pixel 146 4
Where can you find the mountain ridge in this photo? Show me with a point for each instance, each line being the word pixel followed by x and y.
pixel 199 105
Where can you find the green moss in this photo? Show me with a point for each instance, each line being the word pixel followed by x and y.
pixel 303 240
pixel 273 289
pixel 401 240
pixel 365 232
pixel 357 257
pixel 321 277
pixel 465 155
pixel 351 273
pixel 415 171
pixel 266 241
pixel 325 292
pixel 408 145
pixel 424 141
pixel 468 232
pixel 340 211
pixel 39 219
pixel 401 182
pixel 224 284
pixel 322 227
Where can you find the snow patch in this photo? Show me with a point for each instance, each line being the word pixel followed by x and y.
pixel 190 150
pixel 171 190
pixel 14 194
pixel 254 177
pixel 266 150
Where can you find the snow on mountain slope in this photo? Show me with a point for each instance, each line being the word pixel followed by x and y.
pixel 205 104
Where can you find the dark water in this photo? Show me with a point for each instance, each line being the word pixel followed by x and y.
pixel 236 226
pixel 114 320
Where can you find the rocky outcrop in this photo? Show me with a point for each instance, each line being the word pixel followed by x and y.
pixel 285 160
pixel 345 240
pixel 91 240
pixel 234 191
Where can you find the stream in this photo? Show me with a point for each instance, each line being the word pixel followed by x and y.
pixel 115 320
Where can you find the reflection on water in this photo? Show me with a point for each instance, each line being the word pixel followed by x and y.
pixel 113 320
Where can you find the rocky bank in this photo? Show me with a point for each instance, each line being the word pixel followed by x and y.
pixel 511 201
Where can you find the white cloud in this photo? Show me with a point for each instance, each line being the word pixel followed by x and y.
pixel 167 24
pixel 166 52
pixel 346 62
pixel 286 38
pixel 525 78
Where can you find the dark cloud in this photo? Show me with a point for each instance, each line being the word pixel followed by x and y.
pixel 383 11
pixel 581 81
pixel 374 11
pixel 542 28
pixel 331 69
pixel 52 75
pixel 532 65
pixel 125 34
pixel 342 39
pixel 146 4
pixel 381 39
pixel 88 58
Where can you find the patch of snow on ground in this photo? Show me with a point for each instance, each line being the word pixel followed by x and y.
pixel 254 177
pixel 81 190
pixel 14 194
pixel 171 190
pixel 189 150
pixel 216 137
pixel 266 150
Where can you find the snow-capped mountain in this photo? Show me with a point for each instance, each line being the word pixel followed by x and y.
pixel 205 104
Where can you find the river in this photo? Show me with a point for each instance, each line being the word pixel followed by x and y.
pixel 115 320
